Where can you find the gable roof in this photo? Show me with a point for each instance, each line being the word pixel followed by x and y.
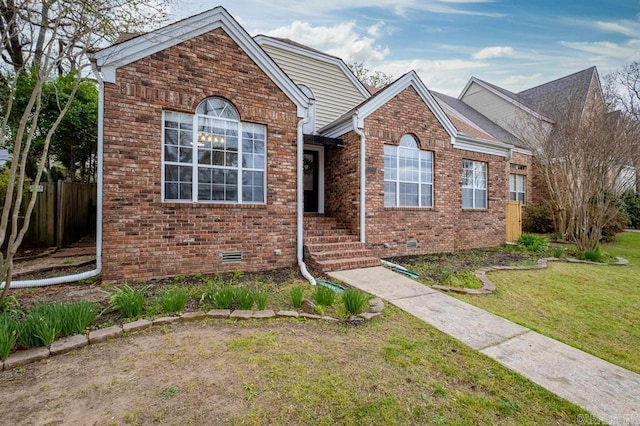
pixel 574 86
pixel 301 49
pixel 476 140
pixel 542 101
pixel 107 60
pixel 484 127
pixel 345 123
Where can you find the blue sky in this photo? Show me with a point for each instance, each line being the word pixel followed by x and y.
pixel 516 45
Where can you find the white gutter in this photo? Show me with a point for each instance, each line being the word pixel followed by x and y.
pixel 95 272
pixel 300 201
pixel 363 184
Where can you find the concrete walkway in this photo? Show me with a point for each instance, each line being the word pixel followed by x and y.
pixel 607 391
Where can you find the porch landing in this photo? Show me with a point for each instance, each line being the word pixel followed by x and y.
pixel 331 246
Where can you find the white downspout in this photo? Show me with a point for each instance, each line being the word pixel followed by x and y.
pixel 300 201
pixel 363 184
pixel 95 272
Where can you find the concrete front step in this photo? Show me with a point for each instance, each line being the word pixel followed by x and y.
pixel 352 263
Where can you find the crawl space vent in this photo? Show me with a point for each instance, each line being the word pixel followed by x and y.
pixel 412 245
pixel 232 256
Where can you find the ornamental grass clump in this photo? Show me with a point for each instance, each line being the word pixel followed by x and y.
pixel 324 296
pixel 173 299
pixel 296 294
pixel 533 243
pixel 594 255
pixel 128 301
pixel 8 334
pixel 261 297
pixel 244 298
pixel 355 302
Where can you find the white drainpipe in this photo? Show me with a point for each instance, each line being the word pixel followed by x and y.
pixel 95 272
pixel 300 202
pixel 363 184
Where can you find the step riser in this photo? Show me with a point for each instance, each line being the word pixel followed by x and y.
pixel 332 239
pixel 348 264
pixel 316 248
pixel 332 255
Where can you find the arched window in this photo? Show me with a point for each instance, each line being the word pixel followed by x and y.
pixel 212 156
pixel 408 174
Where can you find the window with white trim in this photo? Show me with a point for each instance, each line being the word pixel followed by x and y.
pixel 517 188
pixel 222 160
pixel 408 175
pixel 474 184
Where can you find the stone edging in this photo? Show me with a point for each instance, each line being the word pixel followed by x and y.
pixel 67 344
pixel 488 287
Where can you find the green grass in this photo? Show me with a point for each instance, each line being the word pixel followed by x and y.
pixel 405 372
pixel 127 300
pixel 173 299
pixel 591 307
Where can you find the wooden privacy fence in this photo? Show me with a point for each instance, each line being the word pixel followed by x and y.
pixel 514 220
pixel 64 212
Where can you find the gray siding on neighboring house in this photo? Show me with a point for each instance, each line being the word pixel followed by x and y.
pixel 500 111
pixel 334 92
pixel 4 156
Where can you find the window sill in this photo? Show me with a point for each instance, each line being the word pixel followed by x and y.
pixel 411 209
pixel 470 210
pixel 191 204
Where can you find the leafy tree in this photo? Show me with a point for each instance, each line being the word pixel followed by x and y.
pixel 39 40
pixel 377 79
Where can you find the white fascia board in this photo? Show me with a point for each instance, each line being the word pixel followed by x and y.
pixel 339 127
pixel 469 143
pixel 111 58
pixel 263 40
pixel 504 97
pixel 522 151
pixel 409 79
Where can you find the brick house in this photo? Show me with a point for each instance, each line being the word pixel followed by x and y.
pixel 221 152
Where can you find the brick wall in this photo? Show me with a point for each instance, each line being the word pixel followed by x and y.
pixel 143 237
pixel 342 195
pixel 446 227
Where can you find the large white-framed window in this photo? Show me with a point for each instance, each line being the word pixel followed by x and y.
pixel 408 175
pixel 474 184
pixel 517 185
pixel 212 156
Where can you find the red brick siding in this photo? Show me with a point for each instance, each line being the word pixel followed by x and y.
pixel 143 237
pixel 444 228
pixel 342 194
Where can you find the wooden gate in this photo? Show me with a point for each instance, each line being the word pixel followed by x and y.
pixel 514 220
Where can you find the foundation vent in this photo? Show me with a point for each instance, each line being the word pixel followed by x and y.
pixel 412 245
pixel 232 256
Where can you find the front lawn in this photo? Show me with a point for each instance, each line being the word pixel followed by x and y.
pixel 591 307
pixel 392 370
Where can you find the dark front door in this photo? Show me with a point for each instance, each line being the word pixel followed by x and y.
pixel 311 192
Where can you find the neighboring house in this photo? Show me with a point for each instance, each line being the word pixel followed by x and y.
pixel 4 156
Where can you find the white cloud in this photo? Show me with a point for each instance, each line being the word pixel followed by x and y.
pixel 627 51
pixel 341 40
pixel 494 52
pixel 517 83
pixel 375 29
pixel 624 27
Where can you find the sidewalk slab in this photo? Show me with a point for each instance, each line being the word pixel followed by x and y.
pixel 607 391
pixel 472 326
pixel 382 282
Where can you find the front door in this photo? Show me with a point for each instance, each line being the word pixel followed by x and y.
pixel 311 181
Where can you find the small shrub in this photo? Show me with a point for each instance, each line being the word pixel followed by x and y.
pixel 324 296
pixel 533 243
pixel 8 334
pixel 173 299
pixel 537 218
pixel 297 294
pixel 244 298
pixel 355 302
pixel 128 300
pixel 261 299
pixel 631 205
pixel 463 279
pixel 558 252
pixel 594 255
pixel 75 317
